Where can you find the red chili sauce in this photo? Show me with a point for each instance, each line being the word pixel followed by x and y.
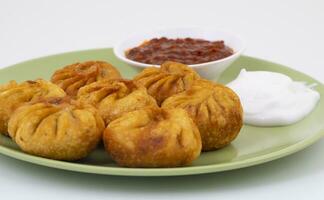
pixel 188 51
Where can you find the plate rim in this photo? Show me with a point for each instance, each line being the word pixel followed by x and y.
pixel 111 49
pixel 177 171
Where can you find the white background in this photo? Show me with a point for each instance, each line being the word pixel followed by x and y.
pixel 287 32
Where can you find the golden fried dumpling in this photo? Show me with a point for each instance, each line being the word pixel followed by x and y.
pixel 215 109
pixel 153 137
pixel 56 128
pixel 171 78
pixel 72 77
pixel 12 95
pixel 115 97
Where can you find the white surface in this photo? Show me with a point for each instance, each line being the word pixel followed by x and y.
pixel 287 32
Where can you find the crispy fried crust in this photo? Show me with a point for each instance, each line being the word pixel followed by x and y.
pixel 215 109
pixel 171 78
pixel 12 95
pixel 115 97
pixel 153 137
pixel 56 128
pixel 72 77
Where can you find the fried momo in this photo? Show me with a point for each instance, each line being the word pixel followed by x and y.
pixel 171 78
pixel 56 128
pixel 12 95
pixel 153 137
pixel 215 109
pixel 75 76
pixel 115 97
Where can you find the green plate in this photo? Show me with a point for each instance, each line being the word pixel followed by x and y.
pixel 253 146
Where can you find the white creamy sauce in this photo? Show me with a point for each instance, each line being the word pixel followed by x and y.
pixel 273 99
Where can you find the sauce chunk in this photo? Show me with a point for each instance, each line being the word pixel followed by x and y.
pixel 184 50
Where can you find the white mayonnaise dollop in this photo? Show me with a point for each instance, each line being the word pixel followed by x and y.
pixel 273 99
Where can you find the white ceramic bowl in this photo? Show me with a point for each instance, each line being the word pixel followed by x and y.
pixel 208 70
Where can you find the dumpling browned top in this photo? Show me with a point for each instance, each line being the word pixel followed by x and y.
pixel 216 110
pixel 56 128
pixel 75 76
pixel 153 137
pixel 115 97
pixel 171 78
pixel 13 95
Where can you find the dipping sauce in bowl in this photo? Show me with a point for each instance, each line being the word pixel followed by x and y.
pixel 209 52
pixel 184 50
